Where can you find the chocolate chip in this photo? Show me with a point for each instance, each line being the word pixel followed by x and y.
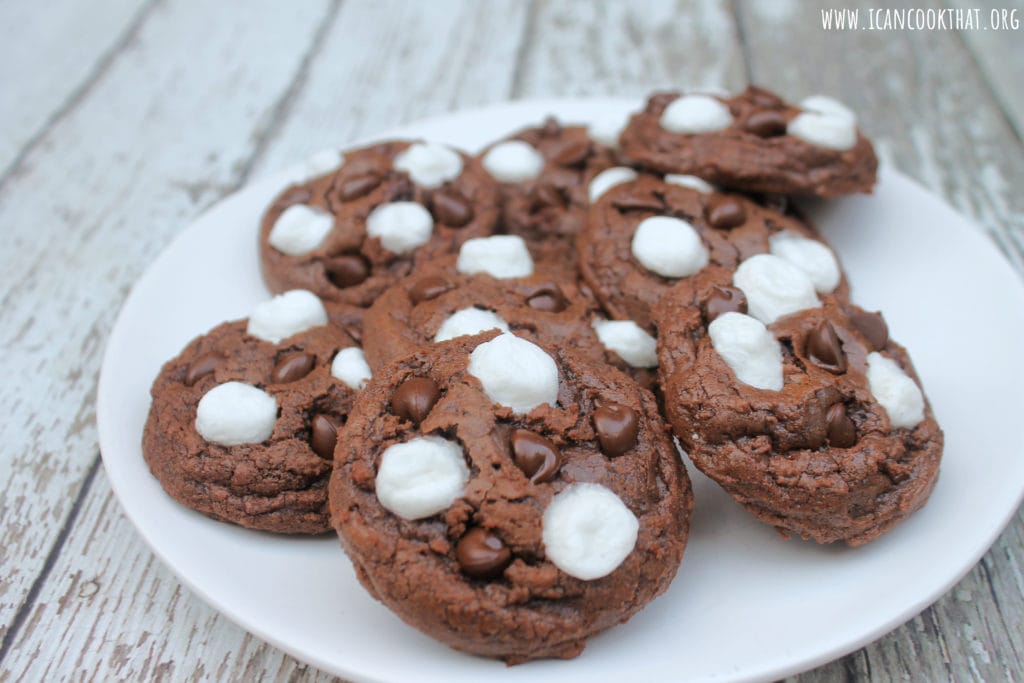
pixel 634 203
pixel 824 349
pixel 414 398
pixel 872 326
pixel 724 299
pixel 400 188
pixel 842 433
pixel 547 298
pixel 481 554
pixel 725 212
pixel 547 194
pixel 572 153
pixel 292 366
pixel 451 208
pixel 201 367
pixel 324 436
pixel 359 186
pixel 616 427
pixel 427 288
pixel 766 124
pixel 535 456
pixel 347 270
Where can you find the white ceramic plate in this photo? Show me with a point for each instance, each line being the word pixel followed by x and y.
pixel 746 605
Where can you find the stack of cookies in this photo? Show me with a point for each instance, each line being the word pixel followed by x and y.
pixel 474 367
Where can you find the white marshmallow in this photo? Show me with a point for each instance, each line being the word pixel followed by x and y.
pixel 747 347
pixel 690 181
pixel 300 229
pixel 514 161
pixel 429 164
pixel 609 178
pixel 286 314
pixel 774 287
pixel 824 130
pixel 629 341
pixel 515 373
pixel 401 227
pixel 469 321
pixel 692 114
pixel 669 246
pixel 823 104
pixel 234 413
pixel 810 256
pixel 350 366
pixel 500 256
pixel 588 531
pixel 320 164
pixel 607 129
pixel 895 391
pixel 421 477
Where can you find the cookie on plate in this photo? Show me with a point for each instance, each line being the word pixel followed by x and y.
pixel 801 408
pixel 643 236
pixel 754 141
pixel 509 500
pixel 349 235
pixel 244 420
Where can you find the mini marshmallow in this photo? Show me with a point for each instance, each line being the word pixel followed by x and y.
pixel 429 164
pixel 810 256
pixel 690 181
pixel 469 321
pixel 749 349
pixel 895 391
pixel 300 229
pixel 286 314
pixel 401 227
pixel 824 104
pixel 692 114
pixel 235 413
pixel 607 129
pixel 774 287
pixel 824 130
pixel 514 161
pixel 515 373
pixel 500 256
pixel 588 531
pixel 320 164
pixel 609 178
pixel 350 366
pixel 421 477
pixel 669 246
pixel 629 341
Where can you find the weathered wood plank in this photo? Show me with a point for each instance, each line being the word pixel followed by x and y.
pixel 92 204
pixel 939 122
pixel 50 53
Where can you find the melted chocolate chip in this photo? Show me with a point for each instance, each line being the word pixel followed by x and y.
pixel 427 288
pixel 634 203
pixel 548 298
pixel 481 554
pixel 201 367
pixel 616 427
pixel 400 188
pixel 842 433
pixel 324 435
pixel 824 348
pixel 535 456
pixel 414 398
pixel 872 326
pixel 451 208
pixel 766 99
pixel 546 194
pixel 725 212
pixel 724 299
pixel 292 367
pixel 573 153
pixel 359 186
pixel 766 124
pixel 347 270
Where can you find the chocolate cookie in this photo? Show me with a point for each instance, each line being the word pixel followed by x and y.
pixel 815 423
pixel 349 235
pixel 508 500
pixel 754 142
pixel 243 422
pixel 644 236
pixel 544 175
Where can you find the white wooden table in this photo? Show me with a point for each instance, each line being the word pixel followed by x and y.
pixel 122 120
